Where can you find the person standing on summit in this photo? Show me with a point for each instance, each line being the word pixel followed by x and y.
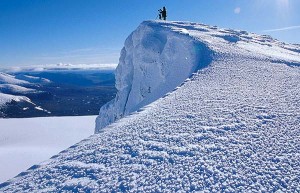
pixel 163 13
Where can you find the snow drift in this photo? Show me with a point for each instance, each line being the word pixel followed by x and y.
pixel 230 126
pixel 154 60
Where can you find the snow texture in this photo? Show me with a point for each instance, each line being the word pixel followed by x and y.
pixel 231 125
pixel 150 66
pixel 24 142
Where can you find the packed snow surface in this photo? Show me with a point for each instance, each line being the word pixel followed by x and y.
pixel 231 125
pixel 25 142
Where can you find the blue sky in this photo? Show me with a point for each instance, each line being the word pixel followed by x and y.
pixel 34 32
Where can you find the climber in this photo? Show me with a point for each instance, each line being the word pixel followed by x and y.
pixel 159 14
pixel 162 13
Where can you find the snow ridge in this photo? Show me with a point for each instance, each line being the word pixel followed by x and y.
pixel 154 61
pixel 13 87
pixel 9 79
pixel 232 126
pixel 6 98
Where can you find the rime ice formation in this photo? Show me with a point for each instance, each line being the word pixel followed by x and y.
pixel 154 60
pixel 230 125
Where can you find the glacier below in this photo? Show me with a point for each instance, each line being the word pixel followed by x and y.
pixel 198 109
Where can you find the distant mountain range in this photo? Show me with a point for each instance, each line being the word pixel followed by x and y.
pixel 57 92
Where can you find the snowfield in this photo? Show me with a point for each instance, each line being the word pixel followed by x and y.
pixel 231 124
pixel 25 142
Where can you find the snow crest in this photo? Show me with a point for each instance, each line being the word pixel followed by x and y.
pixel 154 61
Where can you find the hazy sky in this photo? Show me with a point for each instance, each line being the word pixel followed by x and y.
pixel 93 31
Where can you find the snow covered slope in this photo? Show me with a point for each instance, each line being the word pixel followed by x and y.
pixel 154 60
pixel 14 91
pixel 10 79
pixel 232 126
pixel 12 84
pixel 6 98
pixel 24 142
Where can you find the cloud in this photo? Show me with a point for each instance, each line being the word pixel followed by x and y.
pixel 237 10
pixel 59 66
pixel 283 29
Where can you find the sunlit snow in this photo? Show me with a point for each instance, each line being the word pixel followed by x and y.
pixel 229 124
pixel 25 142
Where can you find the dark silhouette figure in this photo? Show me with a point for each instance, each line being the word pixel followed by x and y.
pixel 159 15
pixel 162 13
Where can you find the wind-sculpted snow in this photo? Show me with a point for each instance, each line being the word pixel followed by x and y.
pixel 154 60
pixel 233 126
